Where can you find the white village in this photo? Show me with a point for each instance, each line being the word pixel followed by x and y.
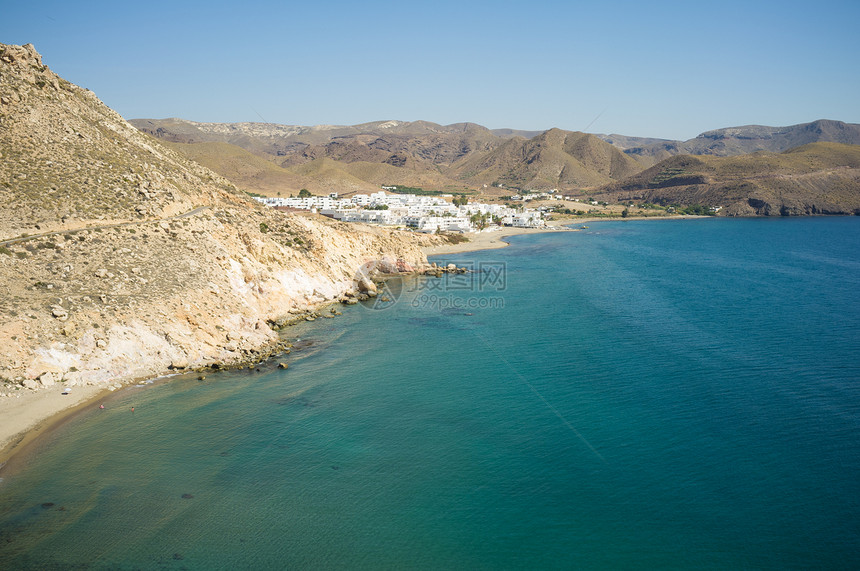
pixel 420 213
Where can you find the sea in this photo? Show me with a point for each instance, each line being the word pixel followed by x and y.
pixel 635 395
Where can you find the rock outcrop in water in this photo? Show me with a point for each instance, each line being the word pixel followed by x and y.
pixel 121 259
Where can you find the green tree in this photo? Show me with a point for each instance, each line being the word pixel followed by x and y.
pixel 305 193
pixel 479 220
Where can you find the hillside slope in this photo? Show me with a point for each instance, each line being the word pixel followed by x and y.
pixel 819 178
pixel 120 258
pixel 553 159
pixel 249 172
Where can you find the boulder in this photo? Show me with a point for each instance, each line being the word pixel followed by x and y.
pixel 30 384
pixel 180 363
pixel 366 285
pixel 47 379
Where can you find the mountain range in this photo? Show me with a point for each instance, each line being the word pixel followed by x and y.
pixel 463 157
pixel 734 141
pixel 419 153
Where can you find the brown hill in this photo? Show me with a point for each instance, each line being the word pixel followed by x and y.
pixel 819 178
pixel 554 159
pixel 246 170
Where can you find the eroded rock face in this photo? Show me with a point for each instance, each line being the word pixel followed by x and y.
pixel 98 292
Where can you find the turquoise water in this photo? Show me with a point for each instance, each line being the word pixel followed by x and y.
pixel 639 395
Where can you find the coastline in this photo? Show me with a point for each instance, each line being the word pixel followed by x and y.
pixel 495 239
pixel 31 415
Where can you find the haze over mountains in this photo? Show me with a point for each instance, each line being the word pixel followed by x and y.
pixel 268 158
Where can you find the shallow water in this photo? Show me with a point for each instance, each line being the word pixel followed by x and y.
pixel 642 395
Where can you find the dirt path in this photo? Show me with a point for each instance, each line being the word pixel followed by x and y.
pixel 117 225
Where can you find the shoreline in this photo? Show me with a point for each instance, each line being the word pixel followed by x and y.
pixel 489 240
pixel 31 416
pixel 495 239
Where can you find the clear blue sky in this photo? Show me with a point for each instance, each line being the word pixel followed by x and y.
pixel 660 69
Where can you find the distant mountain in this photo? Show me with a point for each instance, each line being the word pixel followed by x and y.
pixel 505 133
pixel 624 142
pixel 734 141
pixel 818 178
pixel 280 140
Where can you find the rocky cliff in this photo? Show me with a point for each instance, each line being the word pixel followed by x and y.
pixel 119 258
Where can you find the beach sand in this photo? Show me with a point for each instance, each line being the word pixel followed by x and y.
pixel 493 239
pixel 25 417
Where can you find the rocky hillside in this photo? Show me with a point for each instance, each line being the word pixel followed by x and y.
pixel 121 258
pixel 819 178
pixel 734 141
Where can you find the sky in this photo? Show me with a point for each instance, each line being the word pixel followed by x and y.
pixel 649 69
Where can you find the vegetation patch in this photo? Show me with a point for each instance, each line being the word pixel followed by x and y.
pixel 401 189
pixel 695 209
pixel 454 237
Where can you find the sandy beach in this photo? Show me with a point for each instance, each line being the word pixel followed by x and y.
pixel 489 240
pixel 26 416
